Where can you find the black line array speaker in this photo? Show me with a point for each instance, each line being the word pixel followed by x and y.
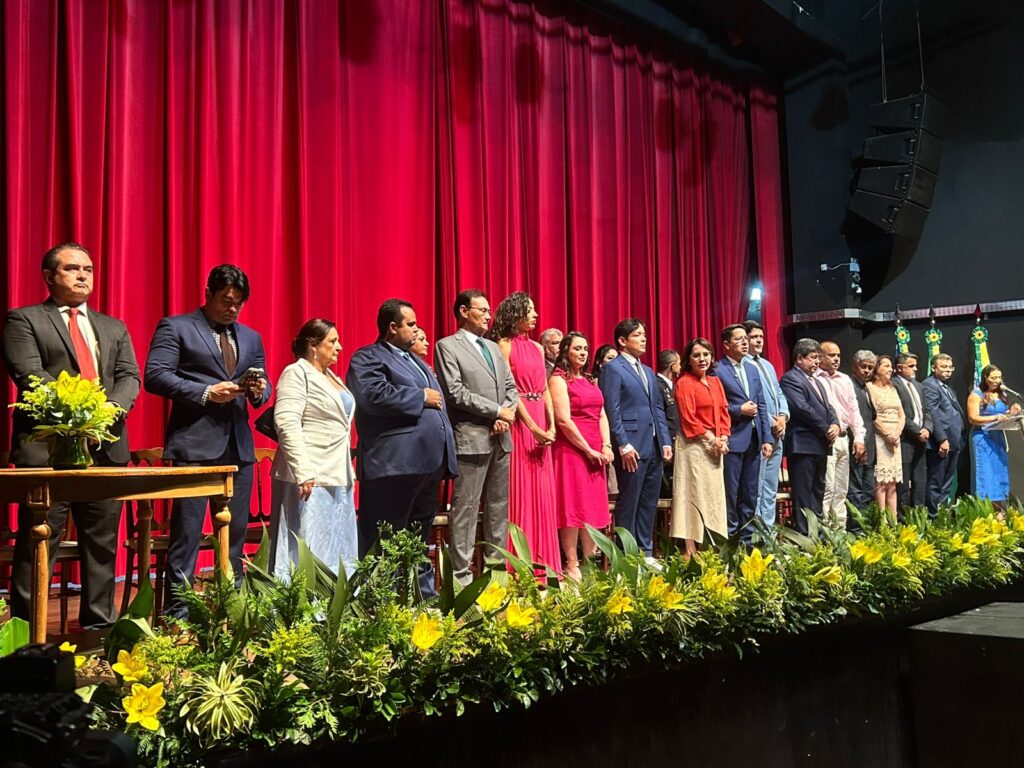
pixel 896 184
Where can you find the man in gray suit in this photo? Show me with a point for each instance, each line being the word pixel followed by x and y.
pixel 64 334
pixel 482 398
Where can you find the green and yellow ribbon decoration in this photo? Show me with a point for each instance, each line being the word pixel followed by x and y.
pixel 902 335
pixel 980 338
pixel 933 338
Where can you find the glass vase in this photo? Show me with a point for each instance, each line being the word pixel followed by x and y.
pixel 70 453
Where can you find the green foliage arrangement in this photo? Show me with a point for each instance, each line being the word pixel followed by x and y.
pixel 69 407
pixel 330 658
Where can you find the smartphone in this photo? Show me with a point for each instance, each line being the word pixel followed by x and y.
pixel 251 376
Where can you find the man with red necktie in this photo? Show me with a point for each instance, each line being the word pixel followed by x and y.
pixel 64 334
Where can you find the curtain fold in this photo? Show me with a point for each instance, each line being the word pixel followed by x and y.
pixel 344 153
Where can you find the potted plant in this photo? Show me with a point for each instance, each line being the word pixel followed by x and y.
pixel 70 413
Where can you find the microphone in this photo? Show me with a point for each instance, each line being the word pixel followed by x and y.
pixel 1013 392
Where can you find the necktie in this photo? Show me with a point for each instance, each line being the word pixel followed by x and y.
pixel 640 373
pixel 912 391
pixel 228 352
pixel 742 376
pixel 487 356
pixel 86 366
pixel 765 377
pixel 819 390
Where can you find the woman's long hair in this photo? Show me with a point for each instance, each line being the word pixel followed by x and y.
pixel 513 309
pixel 562 361
pixel 987 371
pixel 878 364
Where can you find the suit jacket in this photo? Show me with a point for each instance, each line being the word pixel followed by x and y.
pixel 313 428
pixel 668 402
pixel 635 415
pixel 398 435
pixel 744 428
pixel 868 414
pixel 908 439
pixel 948 421
pixel 473 393
pixel 37 343
pixel 809 415
pixel 184 359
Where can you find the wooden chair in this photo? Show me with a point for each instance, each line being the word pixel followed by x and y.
pixel 159 534
pixel 784 498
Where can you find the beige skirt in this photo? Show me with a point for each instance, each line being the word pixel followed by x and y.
pixel 698 491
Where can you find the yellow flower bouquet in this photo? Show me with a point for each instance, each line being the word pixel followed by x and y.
pixel 69 412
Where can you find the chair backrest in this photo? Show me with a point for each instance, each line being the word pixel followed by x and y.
pixel 264 461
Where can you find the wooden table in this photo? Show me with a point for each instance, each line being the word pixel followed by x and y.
pixel 39 489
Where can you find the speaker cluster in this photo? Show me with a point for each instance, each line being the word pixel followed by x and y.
pixel 896 183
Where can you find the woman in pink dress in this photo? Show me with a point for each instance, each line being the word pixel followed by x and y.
pixel 531 488
pixel 583 448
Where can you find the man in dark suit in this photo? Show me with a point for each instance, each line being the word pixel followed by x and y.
pixel 64 334
pixel 406 448
pixel 639 432
pixel 201 362
pixel 670 365
pixel 949 434
pixel 481 397
pixel 750 438
pixel 862 469
pixel 913 491
pixel 813 427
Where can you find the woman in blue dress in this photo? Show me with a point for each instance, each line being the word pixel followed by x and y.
pixel 312 493
pixel 987 405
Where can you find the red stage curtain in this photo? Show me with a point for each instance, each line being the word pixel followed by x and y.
pixel 343 153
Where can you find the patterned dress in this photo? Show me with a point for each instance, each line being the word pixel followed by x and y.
pixel 891 419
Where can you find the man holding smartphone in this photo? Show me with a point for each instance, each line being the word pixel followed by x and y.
pixel 210 367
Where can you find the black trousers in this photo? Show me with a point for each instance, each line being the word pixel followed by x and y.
pixel 941 474
pixel 807 480
pixel 187 518
pixel 636 507
pixel 913 491
pixel 862 489
pixel 404 501
pixel 97 524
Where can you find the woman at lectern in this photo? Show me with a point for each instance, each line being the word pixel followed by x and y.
pixel 990 476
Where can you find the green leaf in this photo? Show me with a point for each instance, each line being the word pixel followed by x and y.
pixel 629 545
pixel 261 557
pixel 85 692
pixel 607 546
pixel 446 598
pixel 133 624
pixel 13 635
pixel 342 594
pixel 519 542
pixel 467 597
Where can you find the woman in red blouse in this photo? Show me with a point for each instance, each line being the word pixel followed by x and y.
pixel 698 480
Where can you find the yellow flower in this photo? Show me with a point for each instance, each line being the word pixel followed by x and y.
pixel 1018 522
pixel 924 552
pixel 957 543
pixel 717 586
pixel 901 559
pixel 981 535
pixel 69 648
pixel 426 631
pixel 830 574
pixel 908 535
pixel 520 616
pixel 660 590
pixel 143 705
pixel 861 550
pixel 754 566
pixel 131 667
pixel 618 604
pixel 492 597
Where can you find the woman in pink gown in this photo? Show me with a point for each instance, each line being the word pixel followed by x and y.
pixel 583 448
pixel 531 481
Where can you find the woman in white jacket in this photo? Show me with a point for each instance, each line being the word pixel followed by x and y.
pixel 312 495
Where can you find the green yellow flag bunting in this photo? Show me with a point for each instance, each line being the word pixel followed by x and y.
pixel 980 338
pixel 933 338
pixel 902 335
